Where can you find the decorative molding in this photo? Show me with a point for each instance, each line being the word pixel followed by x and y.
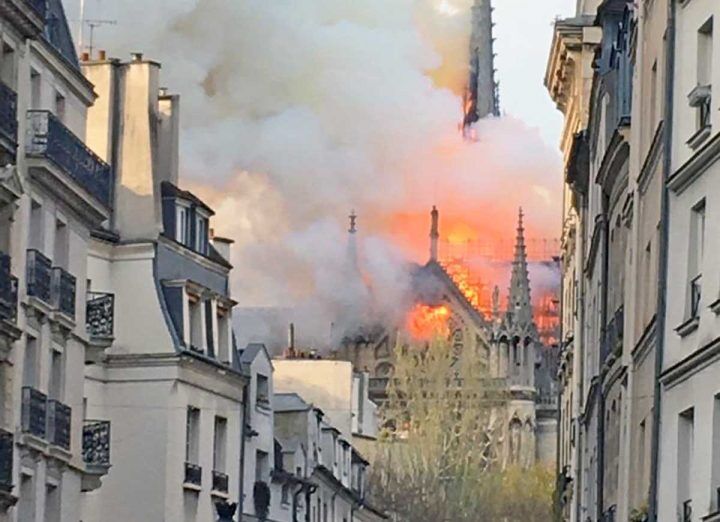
pixel 688 327
pixel 692 364
pixel 695 166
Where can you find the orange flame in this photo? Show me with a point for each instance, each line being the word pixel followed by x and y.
pixel 425 322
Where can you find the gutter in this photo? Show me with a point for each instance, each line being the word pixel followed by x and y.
pixel 662 261
pixel 243 428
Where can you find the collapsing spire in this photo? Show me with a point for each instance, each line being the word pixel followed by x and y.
pixel 482 97
pixel 519 302
pixel 434 234
pixel 352 259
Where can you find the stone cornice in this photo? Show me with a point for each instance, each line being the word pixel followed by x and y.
pixel 692 364
pixel 692 169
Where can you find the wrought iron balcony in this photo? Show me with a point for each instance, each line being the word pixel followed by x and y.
pixel 100 315
pixel 193 474
pixel 49 138
pixel 59 423
pixel 96 443
pixel 8 290
pixel 6 461
pixel 34 412
pixel 220 482
pixel 8 118
pixel 63 292
pixel 39 276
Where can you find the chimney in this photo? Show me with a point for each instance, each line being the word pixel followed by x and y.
pixel 222 245
pixel 102 55
pixel 137 57
pixel 85 56
pixel 434 234
pixel 168 135
pixel 291 336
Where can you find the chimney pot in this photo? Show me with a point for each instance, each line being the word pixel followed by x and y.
pixel 137 57
pixel 85 57
pixel 163 92
pixel 102 55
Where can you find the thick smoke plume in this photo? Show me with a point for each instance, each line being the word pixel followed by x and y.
pixel 297 111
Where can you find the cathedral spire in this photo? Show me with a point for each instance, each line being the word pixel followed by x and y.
pixel 434 234
pixel 482 97
pixel 519 303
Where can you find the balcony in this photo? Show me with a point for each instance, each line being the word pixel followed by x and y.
pixel 100 315
pixel 39 276
pixel 34 412
pixel 220 482
pixel 27 16
pixel 8 290
pixel 63 292
pixel 66 166
pixel 193 476
pixel 59 421
pixel 8 119
pixel 96 453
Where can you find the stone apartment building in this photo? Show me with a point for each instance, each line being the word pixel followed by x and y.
pixel 54 192
pixel 646 380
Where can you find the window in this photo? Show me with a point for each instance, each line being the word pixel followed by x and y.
pixel 192 436
pixel 30 362
pixel 686 434
pixel 182 232
pixel 37 228
pixel 653 95
pixel 196 324
pixel 35 90
pixel 62 245
pixel 57 371
pixel 263 391
pixel 701 96
pixel 52 503
pixel 262 466
pixel 59 106
pixel 220 444
pixel 201 236
pixel 223 322
pixel 8 66
pixel 285 495
pixel 695 256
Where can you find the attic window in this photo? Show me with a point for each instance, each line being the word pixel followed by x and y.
pixel 201 235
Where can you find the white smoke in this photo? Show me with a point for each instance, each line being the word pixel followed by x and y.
pixel 296 111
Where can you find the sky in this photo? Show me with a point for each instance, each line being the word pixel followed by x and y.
pixel 523 32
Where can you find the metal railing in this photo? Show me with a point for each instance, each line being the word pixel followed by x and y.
pixel 100 315
pixel 40 6
pixel 96 442
pixel 49 138
pixel 59 423
pixel 695 296
pixel 193 474
pixel 6 461
pixel 63 291
pixel 8 113
pixel 39 276
pixel 220 482
pixel 8 290
pixel 34 412
pixel 687 511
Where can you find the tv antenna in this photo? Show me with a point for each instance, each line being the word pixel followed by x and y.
pixel 92 25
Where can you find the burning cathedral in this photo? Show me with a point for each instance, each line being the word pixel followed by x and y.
pixel 507 339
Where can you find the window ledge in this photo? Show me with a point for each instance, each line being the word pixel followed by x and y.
pixel 712 517
pixel 220 494
pixel 699 95
pixel 688 327
pixel 192 487
pixel 699 137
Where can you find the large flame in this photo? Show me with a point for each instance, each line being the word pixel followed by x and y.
pixel 425 322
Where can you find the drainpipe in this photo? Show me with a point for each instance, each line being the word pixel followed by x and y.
pixel 580 334
pixel 601 391
pixel 244 421
pixel 662 261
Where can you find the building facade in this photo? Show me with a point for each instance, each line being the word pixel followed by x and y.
pixel 55 191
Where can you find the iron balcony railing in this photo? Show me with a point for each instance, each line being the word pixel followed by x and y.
pixel 63 292
pixel 59 424
pixel 39 276
pixel 220 482
pixel 100 315
pixel 695 296
pixel 8 290
pixel 6 461
pixel 49 138
pixel 40 7
pixel 687 511
pixel 193 474
pixel 8 114
pixel 96 443
pixel 34 412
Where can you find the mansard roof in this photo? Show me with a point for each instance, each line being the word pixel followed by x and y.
pixel 57 33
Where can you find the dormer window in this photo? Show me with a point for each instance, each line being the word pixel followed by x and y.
pixel 201 234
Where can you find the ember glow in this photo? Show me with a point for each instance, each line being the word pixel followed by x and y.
pixel 425 322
